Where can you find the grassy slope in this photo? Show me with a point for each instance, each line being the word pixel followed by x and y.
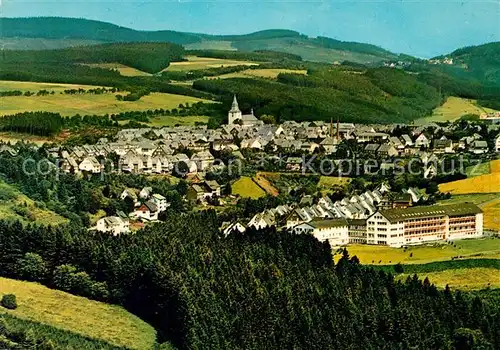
pixel 7 85
pixel 491 215
pixel 463 279
pixel 12 200
pixel 84 104
pixel 382 255
pixel 245 187
pixel 173 121
pixel 78 315
pixel 124 70
pixel 452 109
pixel 489 183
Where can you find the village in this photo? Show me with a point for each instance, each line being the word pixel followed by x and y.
pixel 377 216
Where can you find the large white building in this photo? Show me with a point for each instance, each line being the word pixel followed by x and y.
pixel 418 225
pixel 114 225
pixel 335 231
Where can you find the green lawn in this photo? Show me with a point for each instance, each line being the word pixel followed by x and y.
pixel 245 187
pixel 16 206
pixel 383 255
pixel 82 316
pixel 327 182
pixel 89 104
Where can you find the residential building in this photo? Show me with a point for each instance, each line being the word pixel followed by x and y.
pixel 160 202
pixel 91 165
pixel 357 231
pixel 335 231
pixel 114 225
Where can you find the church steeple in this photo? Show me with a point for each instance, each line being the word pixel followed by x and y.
pixel 234 106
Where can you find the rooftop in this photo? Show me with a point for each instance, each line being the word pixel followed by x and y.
pixel 427 211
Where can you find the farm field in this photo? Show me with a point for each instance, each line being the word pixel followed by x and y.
pixel 463 279
pixel 90 104
pixel 383 255
pixel 483 168
pixel 491 216
pixel 194 62
pixel 246 188
pixel 169 121
pixel 452 109
pixel 478 198
pixel 124 70
pixel 7 85
pixel 79 315
pixel 269 73
pixel 16 206
pixel 260 178
pixel 488 183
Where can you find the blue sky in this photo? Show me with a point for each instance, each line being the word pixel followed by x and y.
pixel 422 28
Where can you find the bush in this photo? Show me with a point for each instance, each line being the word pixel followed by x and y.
pixel 31 267
pixel 9 301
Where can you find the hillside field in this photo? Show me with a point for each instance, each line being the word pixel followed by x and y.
pixel 78 315
pixel 124 70
pixel 7 85
pixel 383 255
pixel 491 216
pixel 463 279
pixel 194 63
pixel 90 104
pixel 16 206
pixel 488 183
pixel 452 109
pixel 170 121
pixel 246 188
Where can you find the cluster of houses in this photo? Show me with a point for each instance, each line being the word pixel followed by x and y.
pixel 371 218
pixel 147 207
pixel 153 150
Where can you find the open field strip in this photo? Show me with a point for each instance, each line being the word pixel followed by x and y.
pixel 211 45
pixel 194 62
pixel 383 255
pixel 79 315
pixel 452 109
pixel 167 120
pixel 245 187
pixel 269 73
pixel 478 198
pixel 124 70
pixel 7 85
pixel 463 279
pixel 90 104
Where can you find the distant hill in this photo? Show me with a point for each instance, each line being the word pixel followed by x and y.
pixel 481 62
pixel 54 32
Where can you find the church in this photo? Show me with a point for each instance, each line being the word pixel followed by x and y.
pixel 235 116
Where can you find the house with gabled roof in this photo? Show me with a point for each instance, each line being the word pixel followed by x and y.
pixel 333 231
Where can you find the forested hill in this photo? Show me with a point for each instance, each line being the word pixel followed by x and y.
pixel 258 290
pixel 481 62
pixel 55 32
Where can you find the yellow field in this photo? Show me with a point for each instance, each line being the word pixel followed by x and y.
pixel 491 215
pixel 124 70
pixel 489 183
pixel 271 73
pixel 78 315
pixel 463 279
pixel 383 255
pixel 7 85
pixel 16 206
pixel 89 104
pixel 245 187
pixel 495 166
pixel 454 108
pixel 194 62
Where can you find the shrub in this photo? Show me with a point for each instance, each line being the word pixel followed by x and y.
pixel 9 301
pixel 398 268
pixel 31 267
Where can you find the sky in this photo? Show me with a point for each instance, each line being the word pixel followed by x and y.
pixel 423 28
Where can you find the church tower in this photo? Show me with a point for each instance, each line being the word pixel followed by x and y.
pixel 234 113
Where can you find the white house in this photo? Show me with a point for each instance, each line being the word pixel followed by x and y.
pixel 422 140
pixel 160 201
pixel 497 143
pixel 145 192
pixel 114 225
pixel 234 227
pixel 90 164
pixel 335 231
pixel 147 211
